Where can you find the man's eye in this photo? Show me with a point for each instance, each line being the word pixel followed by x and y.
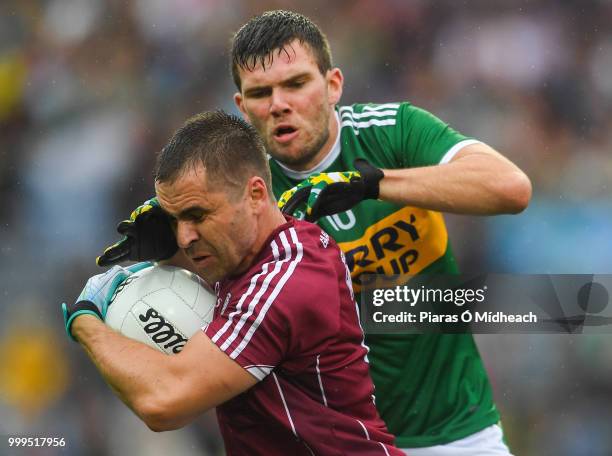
pixel 296 84
pixel 196 218
pixel 259 93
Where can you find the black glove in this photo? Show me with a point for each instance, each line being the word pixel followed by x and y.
pixel 147 235
pixel 329 193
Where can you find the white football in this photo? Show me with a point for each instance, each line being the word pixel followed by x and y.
pixel 162 306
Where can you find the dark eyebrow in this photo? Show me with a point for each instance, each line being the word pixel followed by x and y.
pixel 292 79
pixel 295 78
pixel 190 211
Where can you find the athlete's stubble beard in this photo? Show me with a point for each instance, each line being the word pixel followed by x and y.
pixel 309 151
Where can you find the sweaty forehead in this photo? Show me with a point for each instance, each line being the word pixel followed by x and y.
pixel 280 64
pixel 188 189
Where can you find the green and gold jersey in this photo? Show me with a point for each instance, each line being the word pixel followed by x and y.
pixel 431 389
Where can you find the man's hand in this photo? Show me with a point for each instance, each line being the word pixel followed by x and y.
pixel 329 193
pixel 96 295
pixel 147 235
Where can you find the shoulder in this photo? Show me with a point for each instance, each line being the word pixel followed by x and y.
pixel 364 115
pixel 297 284
pixel 311 259
pixel 297 256
pixel 373 121
pixel 315 240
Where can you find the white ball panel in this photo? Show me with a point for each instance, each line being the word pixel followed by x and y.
pixel 115 316
pixel 186 285
pixel 205 304
pixel 157 277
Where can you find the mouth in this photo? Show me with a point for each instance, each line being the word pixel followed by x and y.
pixel 284 133
pixel 200 260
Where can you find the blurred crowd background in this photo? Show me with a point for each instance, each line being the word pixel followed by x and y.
pixel 91 89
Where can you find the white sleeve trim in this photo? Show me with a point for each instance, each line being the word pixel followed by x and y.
pixel 448 156
pixel 260 371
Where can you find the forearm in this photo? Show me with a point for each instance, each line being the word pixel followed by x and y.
pixel 136 372
pixel 165 391
pixel 479 184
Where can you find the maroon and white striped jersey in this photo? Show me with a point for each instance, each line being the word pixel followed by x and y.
pixel 292 322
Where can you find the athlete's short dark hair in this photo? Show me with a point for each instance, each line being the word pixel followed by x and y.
pixel 229 148
pixel 272 31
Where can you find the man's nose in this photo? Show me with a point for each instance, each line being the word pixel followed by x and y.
pixel 186 234
pixel 279 103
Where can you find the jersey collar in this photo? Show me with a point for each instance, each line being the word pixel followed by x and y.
pixel 322 166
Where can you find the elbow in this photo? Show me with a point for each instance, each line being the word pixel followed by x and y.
pixel 160 426
pixel 158 416
pixel 515 193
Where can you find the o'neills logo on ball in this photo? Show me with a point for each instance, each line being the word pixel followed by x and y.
pixel 161 331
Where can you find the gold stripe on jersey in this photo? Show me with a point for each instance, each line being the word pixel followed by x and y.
pixel 403 243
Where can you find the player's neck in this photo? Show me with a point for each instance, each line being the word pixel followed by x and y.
pixel 269 220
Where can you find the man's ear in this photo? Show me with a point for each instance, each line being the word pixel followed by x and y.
pixel 335 82
pixel 239 101
pixel 258 192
